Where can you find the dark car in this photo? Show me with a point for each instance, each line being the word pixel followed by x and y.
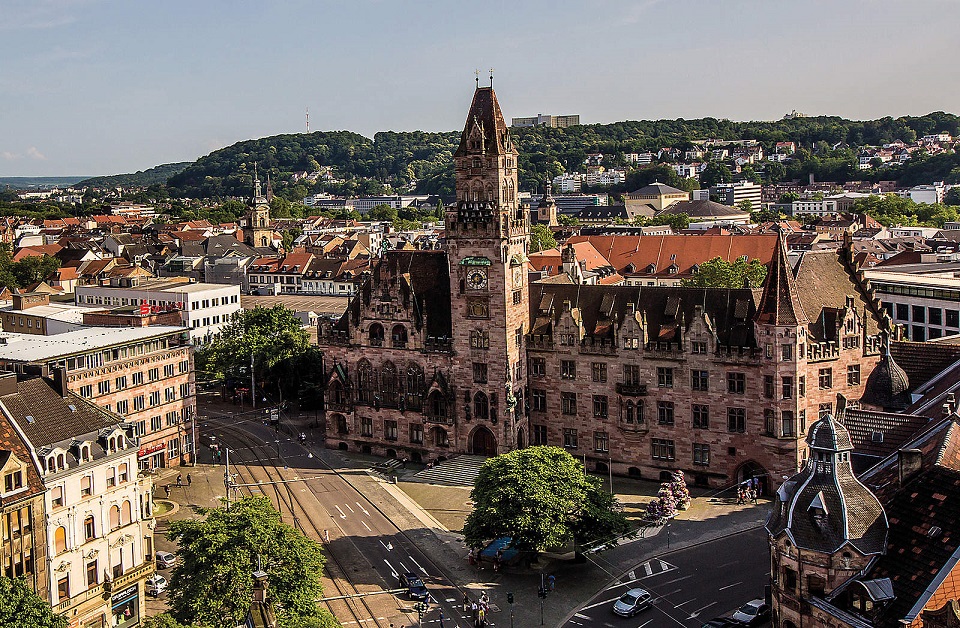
pixel 753 613
pixel 414 586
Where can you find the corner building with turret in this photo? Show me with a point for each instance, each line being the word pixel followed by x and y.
pixel 454 351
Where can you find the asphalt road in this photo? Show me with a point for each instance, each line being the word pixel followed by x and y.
pixel 369 550
pixel 689 586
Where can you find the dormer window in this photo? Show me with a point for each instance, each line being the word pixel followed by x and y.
pixel 13 481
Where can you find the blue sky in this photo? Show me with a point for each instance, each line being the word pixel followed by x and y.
pixel 103 87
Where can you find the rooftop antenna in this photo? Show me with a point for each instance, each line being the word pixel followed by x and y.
pixel 477 74
pixel 308 119
pixel 491 78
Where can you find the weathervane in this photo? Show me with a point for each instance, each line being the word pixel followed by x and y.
pixel 477 74
pixel 491 77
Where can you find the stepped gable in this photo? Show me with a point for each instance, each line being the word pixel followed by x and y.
pixel 602 309
pixel 824 506
pixel 823 284
pixel 780 304
pixel 485 115
pixel 922 361
pixel 922 510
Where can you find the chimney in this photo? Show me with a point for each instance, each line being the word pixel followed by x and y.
pixel 60 381
pixel 8 383
pixel 567 305
pixel 909 462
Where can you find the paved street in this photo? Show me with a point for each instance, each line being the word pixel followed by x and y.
pixel 689 586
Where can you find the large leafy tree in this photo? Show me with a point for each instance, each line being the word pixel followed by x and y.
pixel 213 584
pixel 21 606
pixel 541 238
pixel 719 273
pixel 541 498
pixel 268 335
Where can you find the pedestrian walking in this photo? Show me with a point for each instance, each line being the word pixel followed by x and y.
pixel 166 490
pixel 551 581
pixel 441 618
pixel 466 603
pixel 189 480
pixel 179 479
pixel 753 495
pixel 326 536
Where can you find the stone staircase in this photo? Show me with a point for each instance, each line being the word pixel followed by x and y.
pixel 460 471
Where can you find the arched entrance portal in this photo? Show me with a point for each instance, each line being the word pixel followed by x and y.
pixel 750 470
pixel 483 442
pixel 520 439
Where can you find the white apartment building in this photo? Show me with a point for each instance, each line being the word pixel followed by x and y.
pixel 567 183
pixel 99 525
pixel 822 207
pixel 204 307
pixel 923 298
pixel 639 159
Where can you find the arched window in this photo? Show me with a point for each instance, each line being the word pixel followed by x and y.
pixel 399 336
pixel 440 437
pixel 365 381
pixel 509 190
pixel 114 517
pixel 481 406
pixel 60 462
pixel 388 383
pixel 124 476
pixel 376 334
pixel 126 513
pixel 629 415
pixel 437 405
pixel 414 387
pixel 490 195
pixel 60 540
pixel 337 394
pixel 477 191
pixel 89 528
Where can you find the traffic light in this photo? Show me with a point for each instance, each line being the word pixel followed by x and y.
pixel 509 598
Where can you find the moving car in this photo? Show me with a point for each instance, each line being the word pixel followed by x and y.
pixel 414 586
pixel 632 602
pixel 165 560
pixel 156 584
pixel 753 613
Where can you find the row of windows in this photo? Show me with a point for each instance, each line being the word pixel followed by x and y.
pixel 98 359
pixel 91 299
pixel 118 516
pixel 439 436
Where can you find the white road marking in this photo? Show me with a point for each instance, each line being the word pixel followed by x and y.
pixel 349 508
pixel 632 575
pixel 646 567
pixel 663 584
pixel 342 515
pixel 730 586
pixel 697 612
pixel 385 546
pixel 366 526
pixel 418 565
pixel 613 599
pixel 402 566
pixel 644 623
pixel 362 508
pixel 393 570
pixel 682 603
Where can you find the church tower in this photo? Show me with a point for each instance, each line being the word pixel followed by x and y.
pixel 487 240
pixel 258 229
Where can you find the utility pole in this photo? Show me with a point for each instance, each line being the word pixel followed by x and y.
pixel 226 475
pixel 253 384
pixel 610 469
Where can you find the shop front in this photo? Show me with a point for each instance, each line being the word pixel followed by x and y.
pixel 126 607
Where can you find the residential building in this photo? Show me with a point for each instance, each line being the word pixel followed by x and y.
pixel 653 198
pixel 557 122
pixel 821 207
pixel 444 352
pixel 32 313
pixel 144 374
pixel 204 307
pixel 99 511
pixel 735 193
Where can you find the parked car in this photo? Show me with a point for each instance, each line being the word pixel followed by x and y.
pixel 165 560
pixel 156 584
pixel 753 613
pixel 414 586
pixel 632 602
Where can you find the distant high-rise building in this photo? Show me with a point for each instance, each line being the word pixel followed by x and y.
pixel 547 120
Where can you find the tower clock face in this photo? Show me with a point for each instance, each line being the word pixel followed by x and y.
pixel 477 279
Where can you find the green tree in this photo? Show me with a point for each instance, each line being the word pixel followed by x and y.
pixel 383 212
pixel 677 222
pixel 541 238
pixel 719 273
pixel 269 335
pixel 775 172
pixel 952 197
pixel 789 197
pixel 20 606
pixel 542 499
pixel 213 584
pixel 746 206
pixel 715 173
pixel 163 620
pixel 567 221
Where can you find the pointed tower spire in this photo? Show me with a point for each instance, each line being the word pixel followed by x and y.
pixel 780 304
pixel 256 182
pixel 269 188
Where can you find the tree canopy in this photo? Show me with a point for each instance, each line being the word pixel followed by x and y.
pixel 719 273
pixel 541 238
pixel 542 499
pixel 269 335
pixel 213 583
pixel 20 606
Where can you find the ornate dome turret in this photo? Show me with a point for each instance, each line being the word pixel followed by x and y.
pixel 888 383
pixel 825 507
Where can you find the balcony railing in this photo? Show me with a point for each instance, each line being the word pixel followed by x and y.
pixel 631 390
pixel 98 590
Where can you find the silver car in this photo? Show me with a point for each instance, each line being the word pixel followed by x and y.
pixel 165 560
pixel 632 602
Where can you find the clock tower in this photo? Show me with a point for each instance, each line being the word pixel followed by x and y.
pixel 487 240
pixel 258 230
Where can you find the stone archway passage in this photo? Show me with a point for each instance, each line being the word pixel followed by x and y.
pixel 484 443
pixel 751 469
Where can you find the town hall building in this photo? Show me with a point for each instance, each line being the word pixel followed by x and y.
pixel 454 351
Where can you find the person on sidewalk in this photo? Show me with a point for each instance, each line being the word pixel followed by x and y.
pixel 189 480
pixel 179 480
pixel 441 618
pixel 166 490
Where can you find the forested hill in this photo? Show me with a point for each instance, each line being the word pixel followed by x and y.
pixel 391 161
pixel 143 178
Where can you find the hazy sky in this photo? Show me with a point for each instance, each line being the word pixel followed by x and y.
pixel 92 87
